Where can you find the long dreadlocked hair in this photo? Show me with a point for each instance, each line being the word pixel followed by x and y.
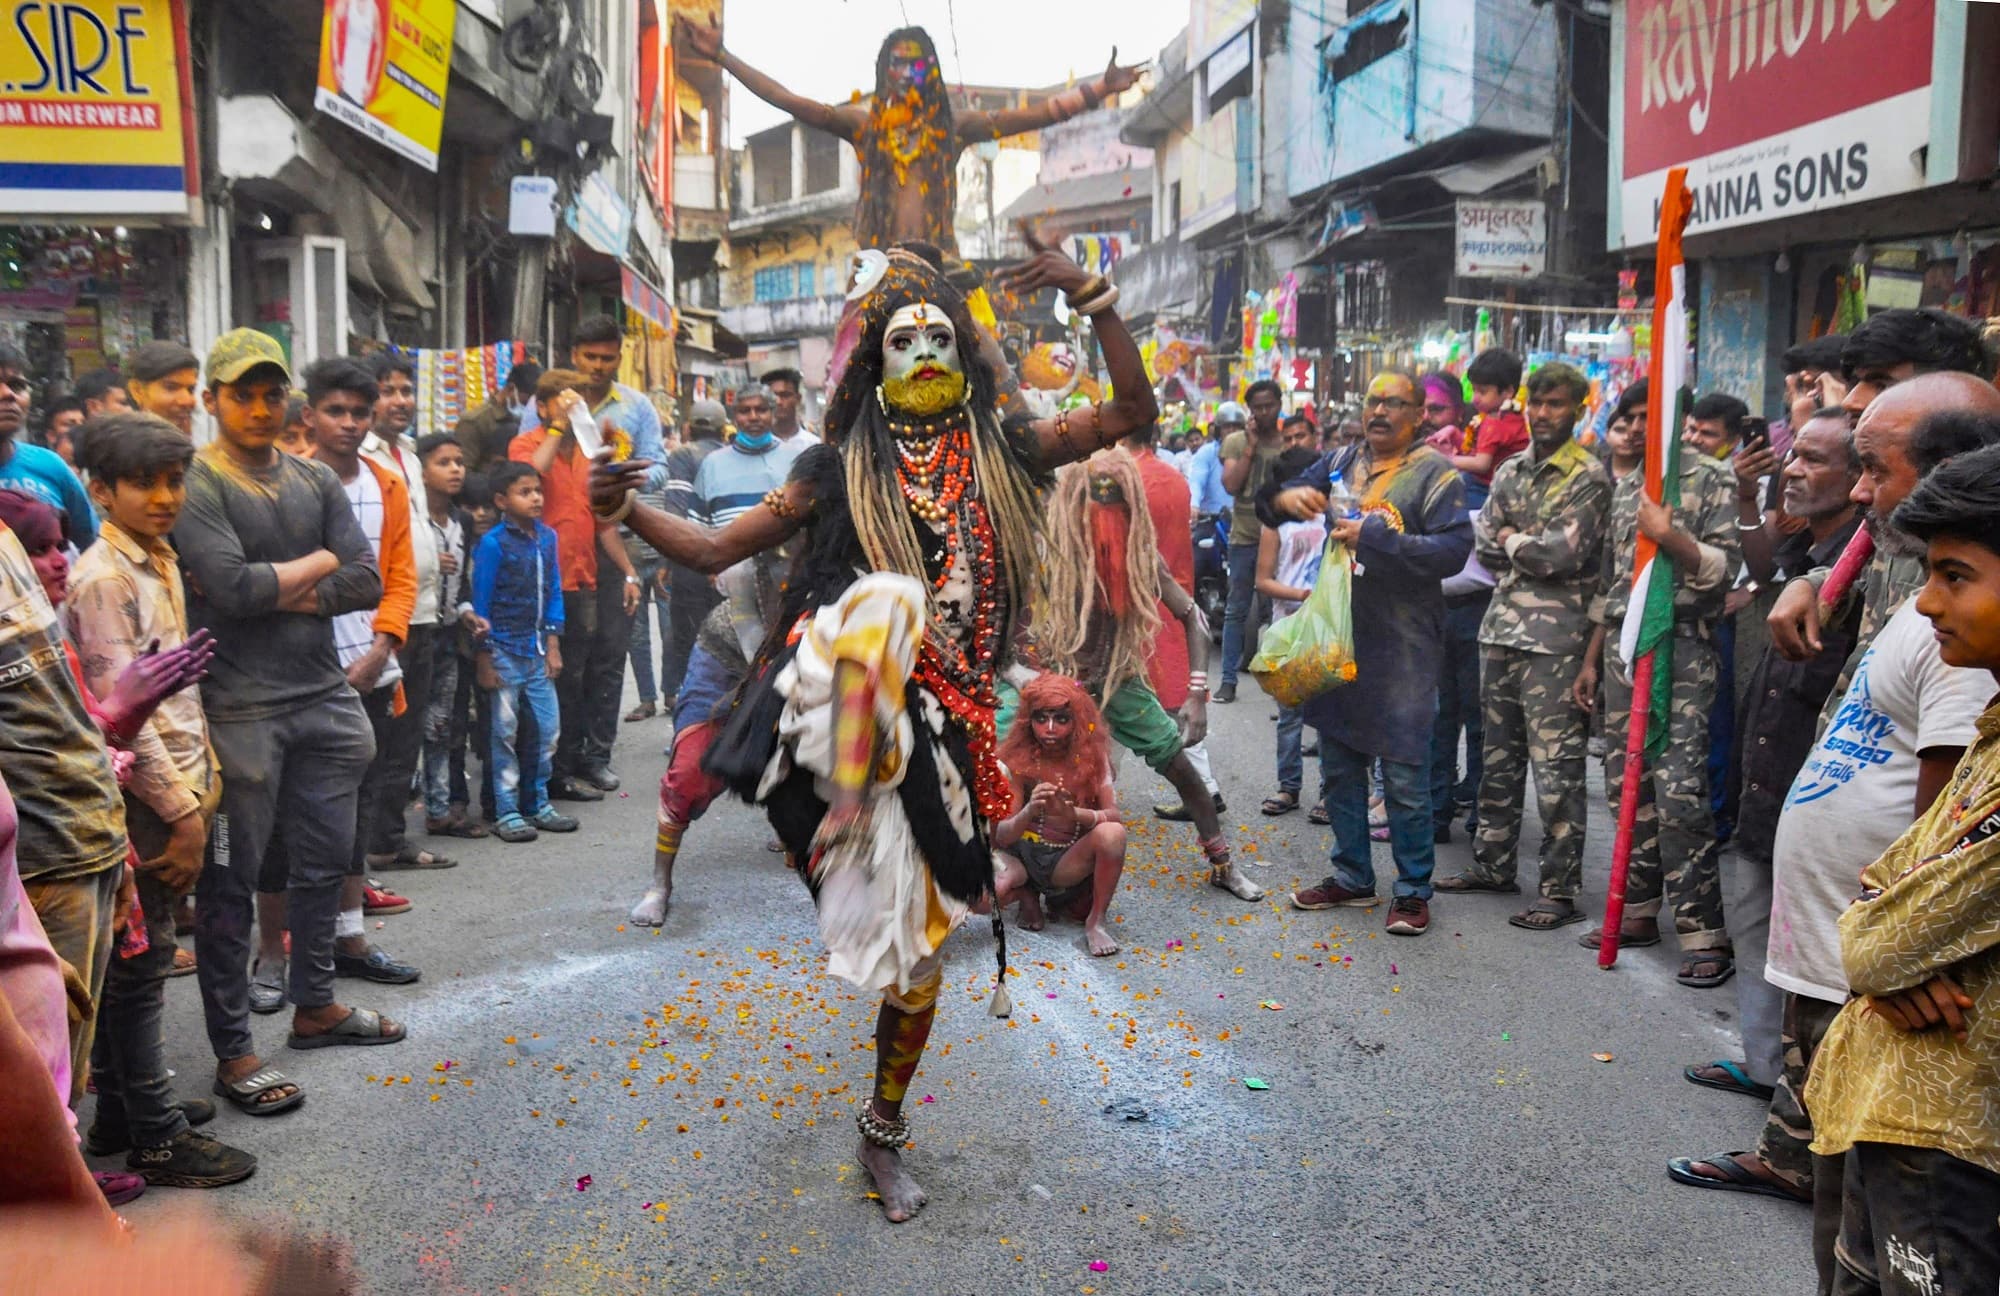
pixel 923 116
pixel 857 425
pixel 1102 556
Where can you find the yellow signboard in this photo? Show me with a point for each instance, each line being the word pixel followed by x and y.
pixel 93 108
pixel 383 66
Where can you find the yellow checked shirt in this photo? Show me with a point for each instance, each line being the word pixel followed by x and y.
pixel 1929 905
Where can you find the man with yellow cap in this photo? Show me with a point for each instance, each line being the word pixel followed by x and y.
pixel 272 554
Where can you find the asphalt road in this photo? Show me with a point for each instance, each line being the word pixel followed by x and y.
pixel 588 1106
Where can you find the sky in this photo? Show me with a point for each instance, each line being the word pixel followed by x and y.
pixel 826 48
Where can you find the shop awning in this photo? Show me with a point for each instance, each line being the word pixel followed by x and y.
pixel 1483 174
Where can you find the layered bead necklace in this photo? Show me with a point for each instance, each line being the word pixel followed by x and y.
pixel 934 462
pixel 934 468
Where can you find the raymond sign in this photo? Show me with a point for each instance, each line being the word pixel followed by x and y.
pixel 93 117
pixel 1776 107
pixel 383 66
pixel 1502 238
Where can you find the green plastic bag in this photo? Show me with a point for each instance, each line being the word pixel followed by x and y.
pixel 1310 651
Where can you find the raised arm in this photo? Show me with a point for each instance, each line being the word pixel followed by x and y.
pixel 689 543
pixel 706 41
pixel 1078 99
pixel 1076 434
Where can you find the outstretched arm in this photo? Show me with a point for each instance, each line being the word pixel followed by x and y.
pixel 1075 434
pixel 689 543
pixel 1073 102
pixel 707 42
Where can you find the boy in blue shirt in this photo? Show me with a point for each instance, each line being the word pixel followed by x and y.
pixel 517 591
pixel 33 470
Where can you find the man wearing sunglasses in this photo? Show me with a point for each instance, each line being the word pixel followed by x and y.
pixel 37 471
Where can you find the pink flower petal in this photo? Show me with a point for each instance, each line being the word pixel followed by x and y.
pixel 583 1183
pixel 1098 1266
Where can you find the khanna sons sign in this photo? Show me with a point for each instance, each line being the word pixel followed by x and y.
pixel 1776 107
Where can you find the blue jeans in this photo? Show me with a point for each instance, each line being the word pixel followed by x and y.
pixel 1344 783
pixel 1722 730
pixel 1291 749
pixel 1458 708
pixel 1242 594
pixel 522 679
pixel 651 603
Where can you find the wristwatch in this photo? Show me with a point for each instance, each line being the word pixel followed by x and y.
pixel 632 580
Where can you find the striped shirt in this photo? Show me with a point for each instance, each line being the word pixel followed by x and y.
pixel 731 480
pixel 354 632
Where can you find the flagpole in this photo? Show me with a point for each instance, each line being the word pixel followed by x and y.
pixel 1675 208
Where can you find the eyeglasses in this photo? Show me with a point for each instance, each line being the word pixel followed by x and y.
pixel 1394 404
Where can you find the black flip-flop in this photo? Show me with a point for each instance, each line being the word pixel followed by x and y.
pixel 1735 1178
pixel 1472 883
pixel 408 858
pixel 1739 1081
pixel 1560 918
pixel 1699 957
pixel 1595 939
pixel 361 1026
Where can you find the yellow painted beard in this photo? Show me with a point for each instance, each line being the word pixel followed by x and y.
pixel 924 396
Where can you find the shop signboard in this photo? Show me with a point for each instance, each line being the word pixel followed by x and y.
pixel 600 217
pixel 1502 238
pixel 1776 107
pixel 93 108
pixel 383 69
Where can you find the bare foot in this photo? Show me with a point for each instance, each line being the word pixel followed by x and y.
pixel 651 910
pixel 1031 912
pixel 1227 877
pixel 1101 944
pixel 901 1197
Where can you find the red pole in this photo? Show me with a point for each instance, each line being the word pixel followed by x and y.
pixel 1628 808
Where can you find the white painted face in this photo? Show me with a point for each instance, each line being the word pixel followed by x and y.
pixel 919 344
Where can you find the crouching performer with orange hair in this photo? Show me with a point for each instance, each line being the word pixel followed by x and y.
pixel 1065 843
pixel 866 728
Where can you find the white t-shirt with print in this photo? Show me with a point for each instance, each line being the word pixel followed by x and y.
pixel 1856 794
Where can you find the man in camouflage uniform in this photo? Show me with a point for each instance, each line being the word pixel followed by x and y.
pixel 1674 826
pixel 1539 533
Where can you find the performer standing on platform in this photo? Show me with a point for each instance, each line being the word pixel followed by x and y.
pixel 907 135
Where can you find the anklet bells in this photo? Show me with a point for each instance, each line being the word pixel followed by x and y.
pixel 882 1133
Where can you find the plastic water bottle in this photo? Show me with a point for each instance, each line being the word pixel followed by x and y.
pixel 584 428
pixel 1340 502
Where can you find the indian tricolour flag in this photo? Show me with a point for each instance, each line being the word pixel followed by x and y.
pixel 1649 617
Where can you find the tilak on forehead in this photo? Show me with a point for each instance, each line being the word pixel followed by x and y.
pixel 919 315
